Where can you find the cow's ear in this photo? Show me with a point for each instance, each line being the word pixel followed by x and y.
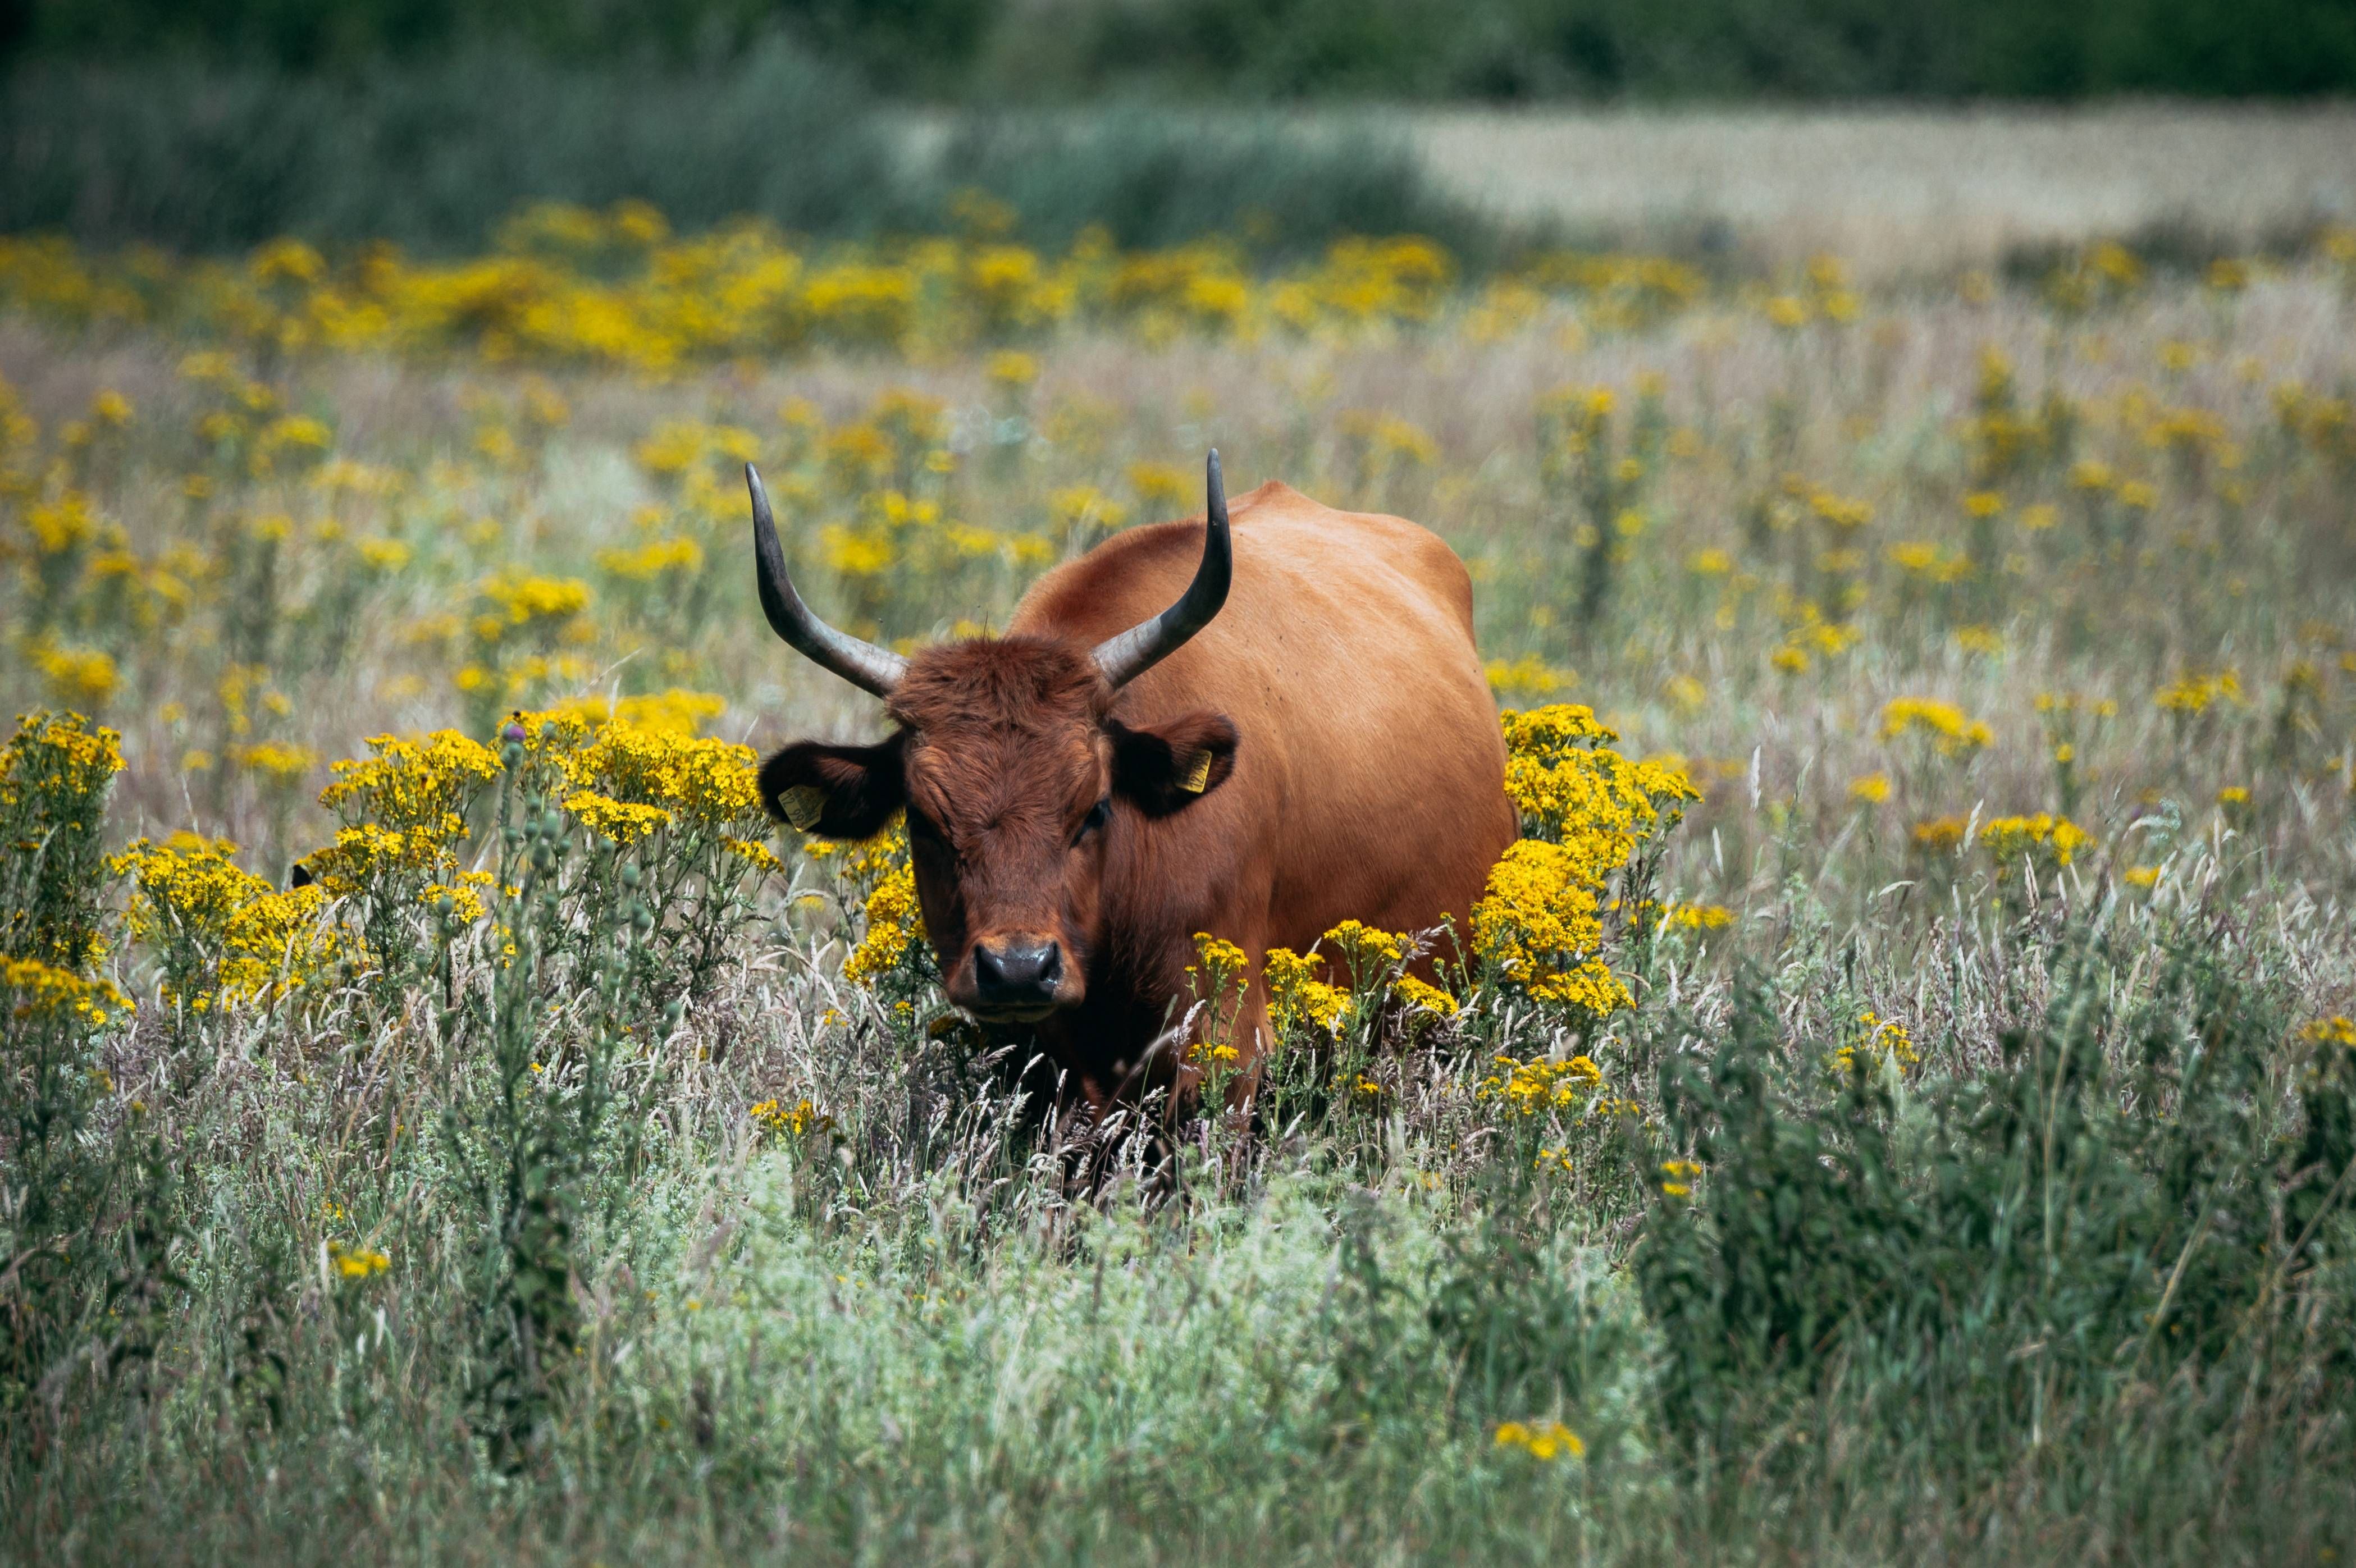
pixel 1169 767
pixel 840 792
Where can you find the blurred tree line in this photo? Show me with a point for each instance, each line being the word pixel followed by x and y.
pixel 1041 51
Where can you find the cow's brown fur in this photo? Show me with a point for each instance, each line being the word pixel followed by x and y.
pixel 1358 771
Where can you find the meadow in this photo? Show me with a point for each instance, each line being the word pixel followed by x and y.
pixel 1898 1100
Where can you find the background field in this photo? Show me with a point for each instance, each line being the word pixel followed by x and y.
pixel 1917 1118
pixel 1893 190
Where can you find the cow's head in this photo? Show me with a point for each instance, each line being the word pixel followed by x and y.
pixel 1014 774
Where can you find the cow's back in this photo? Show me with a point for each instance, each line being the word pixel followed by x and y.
pixel 1369 781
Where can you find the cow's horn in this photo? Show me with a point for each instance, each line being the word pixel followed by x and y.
pixel 863 663
pixel 1132 653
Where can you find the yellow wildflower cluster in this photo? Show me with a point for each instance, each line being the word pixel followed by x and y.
pixel 2334 1030
pixel 1875 1041
pixel 1940 834
pixel 1950 731
pixel 2042 833
pixel 1537 1086
pixel 675 711
pixel 1539 924
pixel 1528 676
pixel 618 288
pixel 41 990
pixel 781 1120
pixel 1930 563
pixel 1219 969
pixel 1419 997
pixel 275 762
pixel 1539 921
pixel 354 1262
pixel 651 561
pixel 519 604
pixel 1366 949
pixel 1297 999
pixel 80 677
pixel 621 821
pixel 228 935
pixel 60 756
pixel 627 781
pixel 893 925
pixel 865 861
pixel 1547 1440
pixel 1568 783
pixel 2189 696
pixel 404 807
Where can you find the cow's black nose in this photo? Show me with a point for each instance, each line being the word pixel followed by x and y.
pixel 1017 972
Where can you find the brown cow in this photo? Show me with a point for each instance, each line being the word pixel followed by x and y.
pixel 1088 790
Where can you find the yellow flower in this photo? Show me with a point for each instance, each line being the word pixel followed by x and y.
pixel 1534 1087
pixel 2193 694
pixel 277 762
pixel 893 920
pixel 1984 640
pixel 1940 834
pixel 789 1121
pixel 1013 370
pixel 45 990
pixel 249 940
pixel 623 822
pixel 1296 998
pixel 2006 837
pixel 760 855
pixel 1161 485
pixel 1528 676
pixel 1425 998
pixel 1951 732
pixel 1872 789
pixel 651 561
pixel 357 1263
pixel 84 677
pixel 523 602
pixel 1547 1440
pixel 1876 1040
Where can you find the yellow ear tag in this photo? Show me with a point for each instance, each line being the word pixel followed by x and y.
pixel 1198 776
pixel 803 805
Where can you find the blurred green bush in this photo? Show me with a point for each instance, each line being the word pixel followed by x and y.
pixel 432 156
pixel 1154 178
pixel 203 158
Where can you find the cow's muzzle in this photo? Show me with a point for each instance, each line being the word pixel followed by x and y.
pixel 1016 980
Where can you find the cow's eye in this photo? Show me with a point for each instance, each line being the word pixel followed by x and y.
pixel 1094 819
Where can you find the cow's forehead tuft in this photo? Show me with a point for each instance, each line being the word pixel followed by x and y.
pixel 1008 684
